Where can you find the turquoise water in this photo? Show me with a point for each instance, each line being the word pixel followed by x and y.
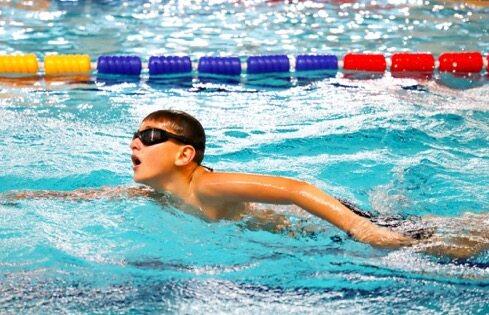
pixel 393 146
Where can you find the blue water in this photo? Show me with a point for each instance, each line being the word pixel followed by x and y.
pixel 394 146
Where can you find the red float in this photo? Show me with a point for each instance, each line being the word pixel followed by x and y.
pixel 412 62
pixel 364 62
pixel 461 62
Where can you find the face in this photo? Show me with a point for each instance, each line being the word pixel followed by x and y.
pixel 152 164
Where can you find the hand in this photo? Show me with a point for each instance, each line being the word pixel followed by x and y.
pixel 367 232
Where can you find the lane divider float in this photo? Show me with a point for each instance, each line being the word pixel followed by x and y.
pixel 316 62
pixel 412 62
pixel 128 65
pixel 397 64
pixel 364 62
pixel 468 62
pixel 267 64
pixel 19 64
pixel 220 65
pixel 66 64
pixel 169 65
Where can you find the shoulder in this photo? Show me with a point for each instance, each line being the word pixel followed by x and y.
pixel 243 186
pixel 224 185
pixel 207 184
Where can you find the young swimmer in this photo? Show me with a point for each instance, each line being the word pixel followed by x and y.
pixel 167 153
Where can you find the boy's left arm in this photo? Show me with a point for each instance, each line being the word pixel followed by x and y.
pixel 80 194
pixel 279 190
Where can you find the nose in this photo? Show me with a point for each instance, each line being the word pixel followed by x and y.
pixel 135 144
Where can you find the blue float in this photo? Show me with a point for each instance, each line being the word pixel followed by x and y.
pixel 267 64
pixel 169 65
pixel 316 62
pixel 220 65
pixel 129 65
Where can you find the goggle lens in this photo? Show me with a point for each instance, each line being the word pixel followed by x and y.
pixel 154 136
pixel 151 136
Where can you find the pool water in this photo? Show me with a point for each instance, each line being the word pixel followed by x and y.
pixel 393 146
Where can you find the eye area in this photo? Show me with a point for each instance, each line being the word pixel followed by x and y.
pixel 154 136
pixel 151 136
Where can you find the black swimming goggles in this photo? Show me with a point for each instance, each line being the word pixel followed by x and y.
pixel 155 136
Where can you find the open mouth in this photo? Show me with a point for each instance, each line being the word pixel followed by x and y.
pixel 135 160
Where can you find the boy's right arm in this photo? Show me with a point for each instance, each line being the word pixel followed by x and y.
pixel 279 190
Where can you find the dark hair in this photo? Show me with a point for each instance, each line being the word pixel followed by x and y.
pixel 185 125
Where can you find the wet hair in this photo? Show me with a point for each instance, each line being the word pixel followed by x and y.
pixel 185 125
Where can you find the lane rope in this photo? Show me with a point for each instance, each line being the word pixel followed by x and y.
pixel 398 64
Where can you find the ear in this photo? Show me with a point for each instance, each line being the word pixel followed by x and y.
pixel 185 155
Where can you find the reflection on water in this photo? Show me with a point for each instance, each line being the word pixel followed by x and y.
pixel 242 28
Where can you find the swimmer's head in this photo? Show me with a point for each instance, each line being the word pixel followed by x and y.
pixel 182 124
pixel 166 143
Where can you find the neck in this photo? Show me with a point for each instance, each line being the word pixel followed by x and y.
pixel 178 184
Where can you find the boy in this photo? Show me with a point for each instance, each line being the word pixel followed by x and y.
pixel 167 152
